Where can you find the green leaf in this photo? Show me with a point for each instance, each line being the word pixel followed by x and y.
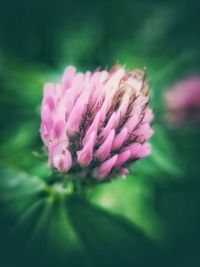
pixel 49 228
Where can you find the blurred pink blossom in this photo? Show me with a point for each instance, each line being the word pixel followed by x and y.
pixel 183 101
pixel 95 124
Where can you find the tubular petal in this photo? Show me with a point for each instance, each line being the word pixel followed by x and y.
pixel 104 150
pixel 86 154
pixel 105 168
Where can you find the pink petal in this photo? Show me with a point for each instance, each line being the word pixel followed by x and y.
pixel 59 129
pixel 68 76
pixel 144 132
pixel 49 90
pixel 148 116
pixel 68 102
pixel 144 151
pixel 63 162
pixel 76 115
pixel 104 150
pixel 44 134
pixel 110 125
pixel 87 79
pixel 93 127
pixel 59 156
pixel 124 103
pixel 139 150
pixel 47 117
pixel 86 154
pixel 120 138
pixel 131 123
pixel 49 101
pixel 122 158
pixel 105 168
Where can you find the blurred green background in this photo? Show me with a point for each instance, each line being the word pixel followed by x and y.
pixel 151 218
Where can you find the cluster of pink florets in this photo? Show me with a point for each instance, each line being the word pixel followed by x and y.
pixel 95 124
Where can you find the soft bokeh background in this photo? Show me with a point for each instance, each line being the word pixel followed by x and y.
pixel 151 218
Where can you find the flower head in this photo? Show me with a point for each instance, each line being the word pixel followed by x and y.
pixel 183 101
pixel 96 123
